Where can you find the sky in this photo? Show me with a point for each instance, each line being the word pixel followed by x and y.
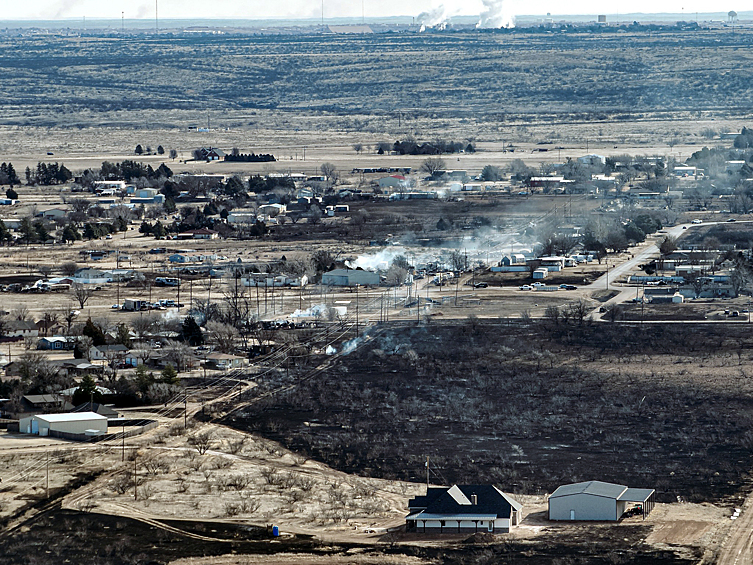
pixel 285 9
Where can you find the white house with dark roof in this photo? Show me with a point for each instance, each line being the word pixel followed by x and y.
pixel 597 501
pixel 463 508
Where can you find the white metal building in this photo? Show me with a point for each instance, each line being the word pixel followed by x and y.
pixel 597 501
pixel 88 423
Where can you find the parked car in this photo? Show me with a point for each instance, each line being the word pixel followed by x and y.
pixel 526 287
pixel 697 221
pixel 732 220
pixel 538 285
pixel 480 285
pixel 568 287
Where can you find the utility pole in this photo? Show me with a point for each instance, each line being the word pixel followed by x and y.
pixel 427 474
pixel 135 471
pixel 122 457
pixel 156 16
pixel 357 334
pixel 47 479
pixel 185 409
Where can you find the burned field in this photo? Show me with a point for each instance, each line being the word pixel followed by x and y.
pixel 532 406
pixel 89 538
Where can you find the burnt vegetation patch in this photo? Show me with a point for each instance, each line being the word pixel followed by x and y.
pixel 532 406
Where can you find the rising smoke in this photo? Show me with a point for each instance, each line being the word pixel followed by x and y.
pixel 495 16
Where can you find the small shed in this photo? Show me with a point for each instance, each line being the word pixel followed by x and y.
pixel 58 424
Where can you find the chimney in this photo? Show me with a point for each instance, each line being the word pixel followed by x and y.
pixel 474 499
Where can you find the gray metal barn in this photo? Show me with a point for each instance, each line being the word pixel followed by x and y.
pixel 597 501
pixel 350 277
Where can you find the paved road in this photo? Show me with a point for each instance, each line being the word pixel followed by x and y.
pixel 642 257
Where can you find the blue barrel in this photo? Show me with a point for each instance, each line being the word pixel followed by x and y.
pixel 275 532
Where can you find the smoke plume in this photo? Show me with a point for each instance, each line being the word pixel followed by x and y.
pixel 495 16
pixel 436 18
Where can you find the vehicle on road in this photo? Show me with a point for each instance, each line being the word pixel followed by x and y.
pixel 481 285
pixel 568 287
pixel 526 287
pixel 732 220
pixel 697 221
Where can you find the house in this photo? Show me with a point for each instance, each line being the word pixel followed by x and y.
pixel 44 403
pixel 21 328
pixel 203 233
pixel 350 277
pixel 97 408
pixel 112 185
pixel 76 367
pixel 463 508
pixel 592 160
pixel 597 501
pixel 273 210
pixel 107 352
pixel 242 217
pixel 211 154
pixel 56 343
pixel 225 361
pixel 91 276
pixel 56 425
pixel 54 214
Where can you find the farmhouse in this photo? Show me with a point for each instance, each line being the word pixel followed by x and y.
pixel 597 501
pixel 463 508
pixel 56 425
pixel 350 277
pixel 21 328
pixel 56 342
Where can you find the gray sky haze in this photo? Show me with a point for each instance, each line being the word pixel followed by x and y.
pixel 308 9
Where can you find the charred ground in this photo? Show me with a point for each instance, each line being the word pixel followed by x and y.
pixel 532 406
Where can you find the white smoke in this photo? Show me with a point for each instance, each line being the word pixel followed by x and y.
pixel 495 16
pixel 379 261
pixel 436 18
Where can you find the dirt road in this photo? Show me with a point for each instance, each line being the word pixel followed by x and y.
pixel 737 549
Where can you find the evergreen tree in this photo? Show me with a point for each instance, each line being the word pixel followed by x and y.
pixel 70 233
pixel 191 332
pixel 169 375
pixel 86 391
pixel 12 194
pixel 93 331
pixel 123 336
pixel 144 379
pixel 139 150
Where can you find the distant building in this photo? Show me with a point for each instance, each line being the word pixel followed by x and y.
pixel 350 29
pixel 211 154
pixel 202 233
pixel 350 277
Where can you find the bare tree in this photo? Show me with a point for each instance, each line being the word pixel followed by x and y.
pixel 329 170
pixel 178 354
pixel 201 441
pixel 433 164
pixel 223 336
pixel 81 294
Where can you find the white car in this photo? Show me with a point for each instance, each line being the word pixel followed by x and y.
pixel 526 287
pixel 697 221
pixel 537 285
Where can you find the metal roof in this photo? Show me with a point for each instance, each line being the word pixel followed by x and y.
pixel 636 494
pixel 426 516
pixel 77 417
pixel 594 488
